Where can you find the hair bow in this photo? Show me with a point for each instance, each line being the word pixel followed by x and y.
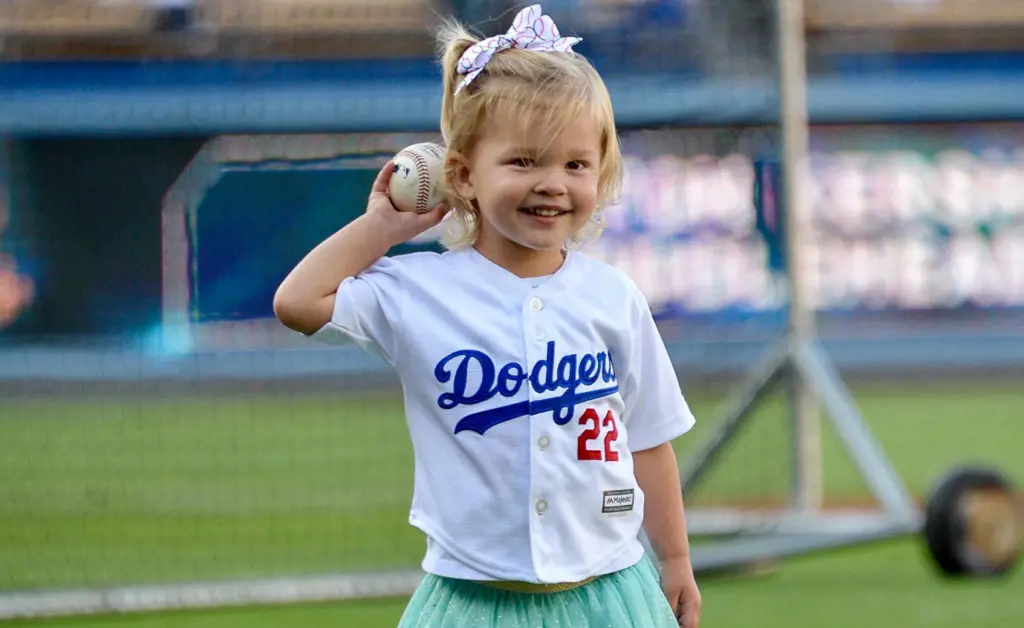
pixel 530 31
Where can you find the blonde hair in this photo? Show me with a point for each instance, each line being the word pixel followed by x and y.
pixel 563 86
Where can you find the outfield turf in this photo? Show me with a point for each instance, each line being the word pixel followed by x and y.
pixel 888 586
pixel 140 490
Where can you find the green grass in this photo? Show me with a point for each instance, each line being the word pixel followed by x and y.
pixel 884 585
pixel 130 491
pixel 106 493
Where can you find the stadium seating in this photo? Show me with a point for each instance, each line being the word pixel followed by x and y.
pixel 317 28
pixel 32 29
pixel 903 14
pixel 914 26
pixel 70 18
pixel 298 17
pixel 134 28
pixel 390 28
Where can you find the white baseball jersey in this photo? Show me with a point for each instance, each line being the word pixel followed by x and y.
pixel 524 400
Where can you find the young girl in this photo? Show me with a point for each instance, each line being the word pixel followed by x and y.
pixel 540 398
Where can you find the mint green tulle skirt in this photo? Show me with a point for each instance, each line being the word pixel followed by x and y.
pixel 630 598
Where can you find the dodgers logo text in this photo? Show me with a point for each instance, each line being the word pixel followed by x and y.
pixel 566 374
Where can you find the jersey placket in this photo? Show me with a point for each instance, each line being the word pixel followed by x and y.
pixel 536 311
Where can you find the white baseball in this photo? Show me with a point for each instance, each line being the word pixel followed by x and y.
pixel 415 184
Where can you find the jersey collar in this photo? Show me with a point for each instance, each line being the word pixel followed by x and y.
pixel 565 276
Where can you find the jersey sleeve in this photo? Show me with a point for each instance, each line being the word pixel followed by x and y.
pixel 367 309
pixel 656 411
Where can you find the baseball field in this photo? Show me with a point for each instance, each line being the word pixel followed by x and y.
pixel 144 489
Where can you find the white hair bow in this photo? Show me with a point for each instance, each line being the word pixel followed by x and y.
pixel 530 31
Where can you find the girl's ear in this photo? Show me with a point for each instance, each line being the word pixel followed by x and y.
pixel 461 176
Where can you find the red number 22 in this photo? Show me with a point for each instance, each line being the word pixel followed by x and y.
pixel 583 452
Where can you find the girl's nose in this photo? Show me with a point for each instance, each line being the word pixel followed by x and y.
pixel 552 183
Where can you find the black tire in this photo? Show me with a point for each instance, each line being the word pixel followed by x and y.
pixel 947 526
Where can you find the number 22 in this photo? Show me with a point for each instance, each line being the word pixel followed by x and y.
pixel 583 452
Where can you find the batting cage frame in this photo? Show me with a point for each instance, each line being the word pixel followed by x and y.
pixel 799 362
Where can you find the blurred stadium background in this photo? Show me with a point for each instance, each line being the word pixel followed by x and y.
pixel 164 163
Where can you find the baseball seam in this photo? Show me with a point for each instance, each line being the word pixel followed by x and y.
pixel 422 181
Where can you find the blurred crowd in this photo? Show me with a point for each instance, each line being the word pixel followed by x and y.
pixel 30 28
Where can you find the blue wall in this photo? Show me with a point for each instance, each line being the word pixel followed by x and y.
pixel 146 98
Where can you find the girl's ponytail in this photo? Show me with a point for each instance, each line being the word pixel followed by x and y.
pixel 453 41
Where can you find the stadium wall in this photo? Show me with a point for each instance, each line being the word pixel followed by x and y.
pixel 148 124
pixel 240 97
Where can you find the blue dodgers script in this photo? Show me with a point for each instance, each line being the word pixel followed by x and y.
pixel 570 372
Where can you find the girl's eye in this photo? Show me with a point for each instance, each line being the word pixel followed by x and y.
pixel 577 165
pixel 522 162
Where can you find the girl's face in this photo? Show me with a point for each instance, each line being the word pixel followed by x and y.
pixel 533 190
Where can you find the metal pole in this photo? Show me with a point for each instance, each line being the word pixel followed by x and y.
pixel 807 473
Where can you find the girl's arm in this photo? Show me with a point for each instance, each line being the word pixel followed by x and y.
pixel 304 301
pixel 657 474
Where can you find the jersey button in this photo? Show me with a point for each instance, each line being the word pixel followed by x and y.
pixel 536 304
pixel 543 442
pixel 542 506
pixel 541 335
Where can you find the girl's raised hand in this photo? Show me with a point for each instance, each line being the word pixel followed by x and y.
pixel 399 226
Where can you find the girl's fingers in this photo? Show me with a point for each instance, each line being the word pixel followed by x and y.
pixel 437 214
pixel 380 184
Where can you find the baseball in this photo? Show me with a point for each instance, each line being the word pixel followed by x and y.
pixel 415 184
